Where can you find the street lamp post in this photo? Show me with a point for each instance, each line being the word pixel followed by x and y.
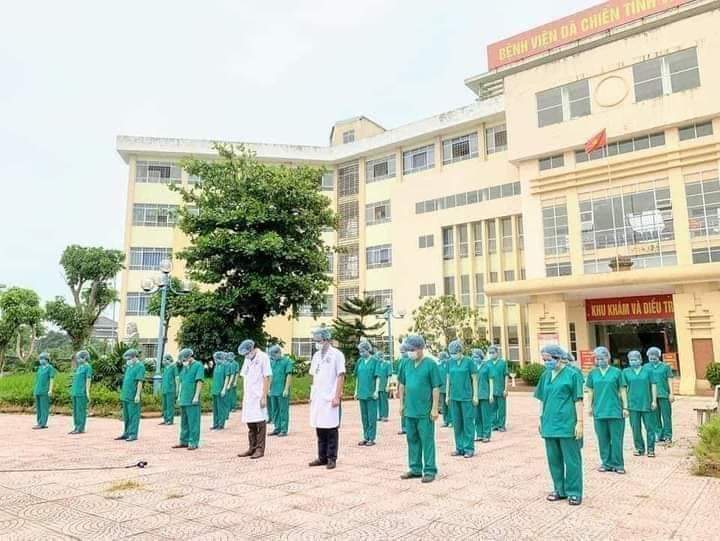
pixel 164 283
pixel 388 316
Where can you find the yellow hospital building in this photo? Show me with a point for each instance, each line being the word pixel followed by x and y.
pixel 498 203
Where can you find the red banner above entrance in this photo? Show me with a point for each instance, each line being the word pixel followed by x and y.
pixel 651 307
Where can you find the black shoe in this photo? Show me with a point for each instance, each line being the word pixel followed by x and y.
pixel 555 497
pixel 402 432
pixel 121 438
pixel 73 432
pixel 574 500
pixel 317 462
pixel 331 465
pixel 362 443
pixel 179 446
pixel 428 479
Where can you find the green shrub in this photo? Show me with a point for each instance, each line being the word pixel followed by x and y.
pixel 712 374
pixel 531 373
pixel 514 367
pixel 707 449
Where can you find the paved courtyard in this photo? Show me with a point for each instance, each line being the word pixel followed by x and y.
pixel 211 494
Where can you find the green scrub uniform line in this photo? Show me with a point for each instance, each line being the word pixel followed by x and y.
pixel 78 395
pixel 281 409
pixel 445 410
pixel 169 392
pixel 484 415
pixel 42 408
pixel 279 406
pixel 383 405
pixel 218 407
pixel 608 415
pixel 367 372
pixel 168 407
pixel 637 419
pixel 610 434
pixel 421 446
pixel 565 463
pixel 663 419
pixel 463 414
pixel 271 409
pixel 499 407
pixel 368 415
pixel 190 425
pixel 131 418
pixel 639 394
pixel 45 374
pixel 79 408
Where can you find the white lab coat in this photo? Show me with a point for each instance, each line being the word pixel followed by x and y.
pixel 254 371
pixel 325 370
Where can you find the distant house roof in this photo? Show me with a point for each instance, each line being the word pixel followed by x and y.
pixel 105 328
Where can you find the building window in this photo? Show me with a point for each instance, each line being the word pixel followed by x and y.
pixel 348 220
pixel 327 182
pixel 659 259
pixel 479 289
pixel 477 238
pixel 377 213
pixel 326 310
pixel 509 275
pixel 520 232
pixel 155 171
pixel 379 256
pixel 703 203
pixel 137 304
pixel 460 148
pixel 463 244
pixel 449 286
pixel 427 290
pixel 706 255
pixel 523 275
pixel 563 103
pixel 666 75
pixel 302 348
pixel 380 169
pixel 695 130
pixel 507 235
pixel 555 230
pixel 348 136
pixel 493 277
pixel 418 159
pixel 496 139
pixel 348 263
pixel 347 179
pixel 330 263
pixel 635 144
pixel 573 340
pixel 426 241
pixel 513 339
pixel 553 270
pixel 465 290
pixel 148 258
pixel 468 198
pixel 551 162
pixel 148 348
pixel 491 236
pixel 496 335
pixel 448 243
pixel 345 294
pixel 154 215
pixel 382 297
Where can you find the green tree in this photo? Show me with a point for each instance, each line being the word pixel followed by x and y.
pixel 22 318
pixel 349 328
pixel 88 272
pixel 255 236
pixel 442 319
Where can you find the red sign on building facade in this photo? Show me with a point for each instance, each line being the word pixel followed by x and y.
pixel 648 308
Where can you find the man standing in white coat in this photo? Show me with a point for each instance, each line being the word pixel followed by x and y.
pixel 328 376
pixel 256 373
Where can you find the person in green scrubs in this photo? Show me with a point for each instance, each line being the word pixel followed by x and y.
pixel 461 391
pixel 231 396
pixel 607 395
pixel 484 413
pixel 168 389
pixel 282 370
pixel 218 389
pixel 501 374
pixel 191 381
pixel 560 392
pixel 367 387
pixel 80 391
pixel 642 403
pixel 130 394
pixel 399 363
pixel 662 378
pixel 44 380
pixel 420 385
pixel 443 363
pixel 384 373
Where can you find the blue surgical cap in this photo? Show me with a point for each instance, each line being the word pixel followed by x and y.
pixel 443 355
pixel 555 351
pixel 130 354
pixel 322 333
pixel 364 345
pixel 654 352
pixel 635 354
pixel 44 355
pixel 229 355
pixel 493 349
pixel 414 342
pixel 185 354
pixel 569 357
pixel 455 347
pixel 246 346
pixel 477 353
pixel 403 348
pixel 82 355
pixel 275 351
pixel 219 356
pixel 601 351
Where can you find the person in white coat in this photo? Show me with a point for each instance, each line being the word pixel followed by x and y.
pixel 327 369
pixel 256 373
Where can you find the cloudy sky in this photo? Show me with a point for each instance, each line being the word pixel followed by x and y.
pixel 75 74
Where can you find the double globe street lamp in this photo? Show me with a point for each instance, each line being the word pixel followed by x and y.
pixel 388 316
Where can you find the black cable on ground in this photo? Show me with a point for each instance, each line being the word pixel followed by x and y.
pixel 141 464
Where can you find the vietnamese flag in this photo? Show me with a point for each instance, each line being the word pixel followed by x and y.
pixel 597 141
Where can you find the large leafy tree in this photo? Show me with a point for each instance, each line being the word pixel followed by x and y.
pixel 255 237
pixel 20 322
pixel 442 319
pixel 353 324
pixel 88 271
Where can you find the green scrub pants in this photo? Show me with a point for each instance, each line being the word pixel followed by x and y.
pixel 421 445
pixel 565 463
pixel 610 434
pixel 484 415
pixel 637 419
pixel 463 415
pixel 281 409
pixel 271 409
pixel 445 410
pixel 79 407
pixel 190 425
pixel 168 407
pixel 42 408
pixel 383 405
pixel 499 412
pixel 131 419
pixel 663 420
pixel 368 415
pixel 230 401
pixel 218 405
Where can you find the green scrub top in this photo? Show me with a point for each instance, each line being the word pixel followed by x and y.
pixel 218 379
pixel 660 373
pixel 281 369
pixel 189 376
pixel 443 368
pixel 133 374
pixel 418 381
pixel 486 372
pixel 558 397
pixel 399 363
pixel 42 379
pixel 606 392
pixel 366 371
pixel 460 375
pixel 639 388
pixel 500 372
pixel 82 373
pixel 384 372
pixel 169 376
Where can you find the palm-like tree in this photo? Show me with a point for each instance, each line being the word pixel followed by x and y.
pixel 349 328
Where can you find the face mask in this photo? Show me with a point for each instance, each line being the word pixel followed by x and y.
pixel 319 345
pixel 654 360
pixel 602 363
pixel 415 355
pixel 364 354
pixel 457 356
pixel 635 363
pixel 551 363
pixel 492 356
pixel 43 362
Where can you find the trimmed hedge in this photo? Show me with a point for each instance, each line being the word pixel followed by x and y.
pixel 531 372
pixel 707 449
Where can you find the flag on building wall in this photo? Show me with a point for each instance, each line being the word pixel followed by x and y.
pixel 599 140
